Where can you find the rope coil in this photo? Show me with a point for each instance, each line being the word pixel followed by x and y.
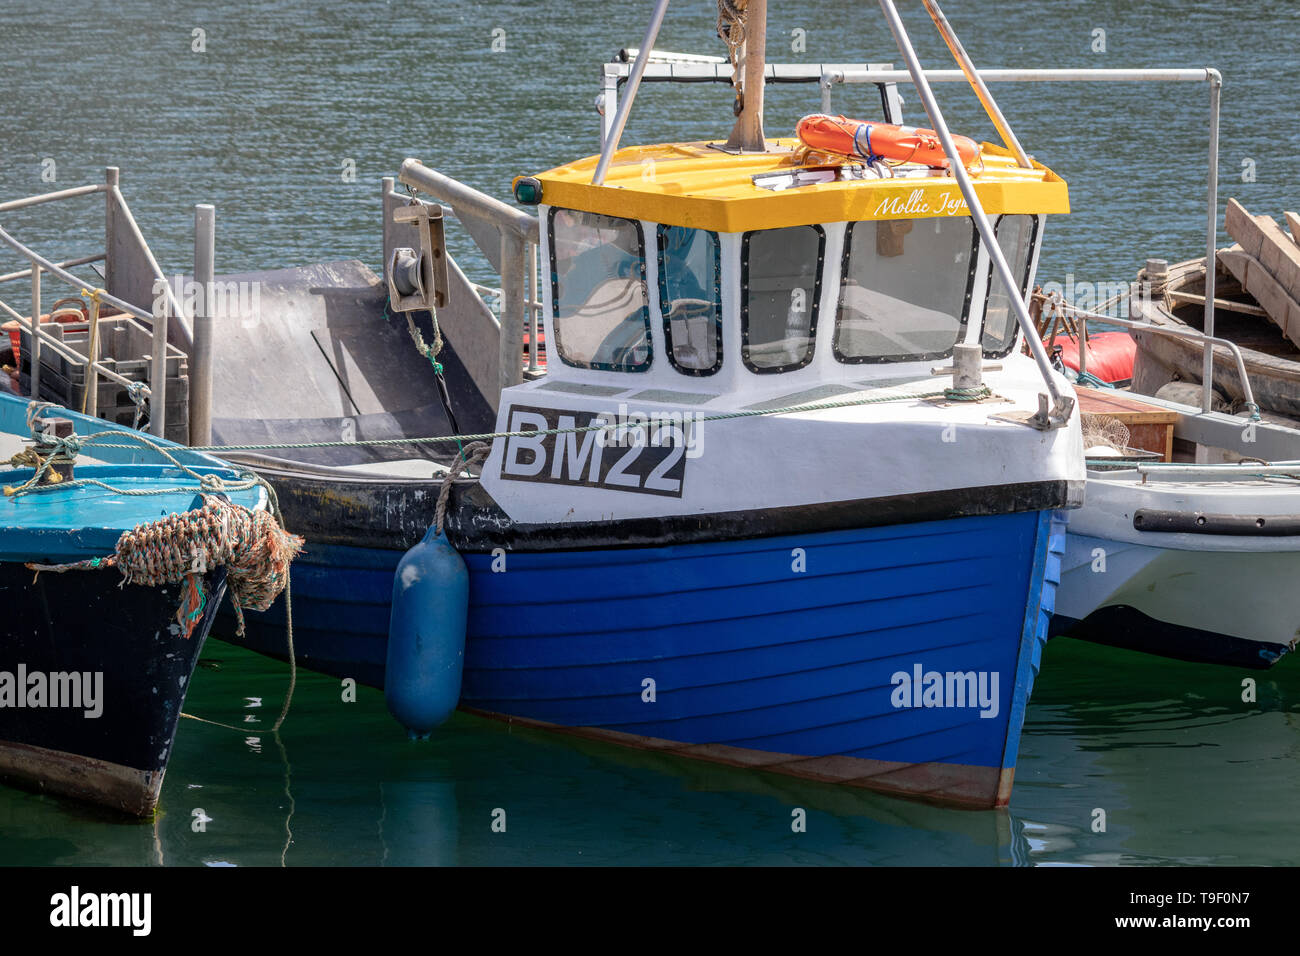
pixel 180 548
pixel 975 393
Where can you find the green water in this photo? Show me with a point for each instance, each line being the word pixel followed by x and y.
pixel 1185 772
pixel 261 125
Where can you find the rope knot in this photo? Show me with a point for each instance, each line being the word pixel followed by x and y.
pixel 180 548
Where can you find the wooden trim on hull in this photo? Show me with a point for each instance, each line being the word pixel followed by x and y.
pixel 959 786
pixel 83 778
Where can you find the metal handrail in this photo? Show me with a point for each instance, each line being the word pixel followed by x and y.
pixel 1243 469
pixel 520 237
pixel 55 270
pixel 65 264
pixel 1174 331
pixel 54 196
pixel 419 176
pixel 114 201
pixel 1200 75
pixel 1187 75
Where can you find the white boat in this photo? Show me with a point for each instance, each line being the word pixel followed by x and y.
pixel 1193 555
pixel 1197 563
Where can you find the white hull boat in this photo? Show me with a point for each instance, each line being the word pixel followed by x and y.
pixel 1188 544
pixel 1197 563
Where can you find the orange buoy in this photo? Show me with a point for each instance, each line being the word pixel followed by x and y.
pixel 871 141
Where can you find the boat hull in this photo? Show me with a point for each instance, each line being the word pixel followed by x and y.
pixel 1212 607
pixel 780 653
pixel 127 639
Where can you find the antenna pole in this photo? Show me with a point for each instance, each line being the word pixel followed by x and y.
pixel 977 83
pixel 633 84
pixel 747 135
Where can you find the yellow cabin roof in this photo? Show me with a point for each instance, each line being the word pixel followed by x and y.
pixel 697 185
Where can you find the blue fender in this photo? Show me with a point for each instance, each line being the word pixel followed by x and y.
pixel 426 635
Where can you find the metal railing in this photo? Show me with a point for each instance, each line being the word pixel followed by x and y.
pixel 666 67
pixel 981 77
pixel 1058 302
pixel 508 238
pixel 1181 471
pixel 123 239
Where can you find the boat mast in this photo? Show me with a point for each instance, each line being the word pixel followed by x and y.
pixel 751 17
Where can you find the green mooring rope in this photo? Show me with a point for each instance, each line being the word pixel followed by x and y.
pixel 975 394
pixel 949 394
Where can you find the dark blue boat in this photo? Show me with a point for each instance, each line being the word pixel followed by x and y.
pixel 93 672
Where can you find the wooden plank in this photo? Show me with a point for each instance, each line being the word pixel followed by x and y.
pixel 1242 227
pixel 1191 298
pixel 1293 223
pixel 1125 406
pixel 1263 238
pixel 1281 256
pixel 1267 291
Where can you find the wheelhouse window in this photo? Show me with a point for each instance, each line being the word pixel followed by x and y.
pixel 1016 239
pixel 690 298
pixel 602 317
pixel 905 289
pixel 780 278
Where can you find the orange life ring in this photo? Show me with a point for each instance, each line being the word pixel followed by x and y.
pixel 905 144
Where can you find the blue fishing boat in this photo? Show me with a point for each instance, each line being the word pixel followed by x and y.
pixel 788 496
pixel 115 553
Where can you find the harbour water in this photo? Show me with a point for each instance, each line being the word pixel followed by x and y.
pixel 1124 758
